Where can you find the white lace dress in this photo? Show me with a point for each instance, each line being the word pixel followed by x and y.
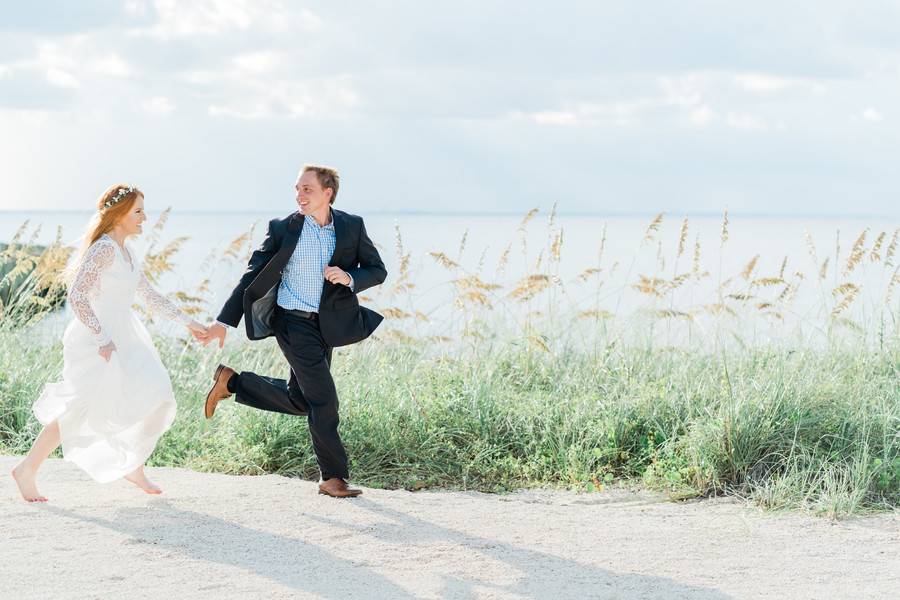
pixel 111 414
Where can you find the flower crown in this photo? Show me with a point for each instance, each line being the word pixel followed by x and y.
pixel 118 197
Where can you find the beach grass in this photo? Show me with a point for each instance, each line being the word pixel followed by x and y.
pixel 559 396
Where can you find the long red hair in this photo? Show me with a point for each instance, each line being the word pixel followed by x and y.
pixel 105 219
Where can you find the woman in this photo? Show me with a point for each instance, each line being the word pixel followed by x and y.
pixel 115 399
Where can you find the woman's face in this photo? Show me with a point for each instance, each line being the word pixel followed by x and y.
pixel 131 223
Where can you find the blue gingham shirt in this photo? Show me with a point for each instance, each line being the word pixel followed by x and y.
pixel 304 275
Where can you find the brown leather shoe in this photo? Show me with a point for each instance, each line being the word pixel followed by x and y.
pixel 337 488
pixel 219 390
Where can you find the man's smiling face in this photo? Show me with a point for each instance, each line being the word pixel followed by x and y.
pixel 311 198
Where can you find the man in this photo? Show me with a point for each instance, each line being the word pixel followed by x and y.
pixel 301 286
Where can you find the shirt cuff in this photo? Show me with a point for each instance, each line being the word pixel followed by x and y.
pixel 225 325
pixel 352 283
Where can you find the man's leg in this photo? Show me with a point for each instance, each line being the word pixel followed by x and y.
pixel 269 393
pixel 309 358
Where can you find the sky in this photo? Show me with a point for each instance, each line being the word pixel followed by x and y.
pixel 465 106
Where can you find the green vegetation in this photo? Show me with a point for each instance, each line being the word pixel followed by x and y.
pixel 496 408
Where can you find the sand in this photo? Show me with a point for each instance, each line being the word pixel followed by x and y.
pixel 220 536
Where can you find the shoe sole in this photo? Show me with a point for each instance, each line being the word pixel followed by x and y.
pixel 344 496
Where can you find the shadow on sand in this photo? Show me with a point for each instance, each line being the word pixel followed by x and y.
pixel 313 569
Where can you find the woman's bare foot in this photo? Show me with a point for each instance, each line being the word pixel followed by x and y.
pixel 138 478
pixel 24 478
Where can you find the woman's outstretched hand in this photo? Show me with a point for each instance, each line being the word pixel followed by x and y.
pixel 199 332
pixel 107 350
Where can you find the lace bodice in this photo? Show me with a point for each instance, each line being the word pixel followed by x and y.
pixel 87 288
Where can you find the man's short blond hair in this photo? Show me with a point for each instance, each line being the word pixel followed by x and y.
pixel 327 176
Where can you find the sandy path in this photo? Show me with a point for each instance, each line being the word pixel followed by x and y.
pixel 217 536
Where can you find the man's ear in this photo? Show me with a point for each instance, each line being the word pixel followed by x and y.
pixel 330 195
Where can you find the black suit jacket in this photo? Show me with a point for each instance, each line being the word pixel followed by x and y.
pixel 342 320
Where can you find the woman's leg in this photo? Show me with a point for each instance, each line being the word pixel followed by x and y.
pixel 25 472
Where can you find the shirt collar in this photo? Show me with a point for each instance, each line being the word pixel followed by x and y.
pixel 311 221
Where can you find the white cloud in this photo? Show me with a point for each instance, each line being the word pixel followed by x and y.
pixel 136 8
pixel 764 83
pixel 700 98
pixel 110 64
pixel 62 78
pixel 871 114
pixel 746 122
pixel 176 20
pixel 702 114
pixel 437 86
pixel 158 105
pixel 80 56
pixel 307 99
pixel 557 117
pixel 258 62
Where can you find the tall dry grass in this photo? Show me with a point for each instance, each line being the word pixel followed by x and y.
pixel 622 372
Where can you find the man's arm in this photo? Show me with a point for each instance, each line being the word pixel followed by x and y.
pixel 233 309
pixel 371 271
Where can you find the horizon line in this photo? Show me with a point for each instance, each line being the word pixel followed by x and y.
pixel 541 212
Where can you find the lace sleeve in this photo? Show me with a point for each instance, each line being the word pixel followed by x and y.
pixel 86 285
pixel 156 302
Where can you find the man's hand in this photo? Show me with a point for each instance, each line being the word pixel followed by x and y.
pixel 107 350
pixel 337 275
pixel 214 331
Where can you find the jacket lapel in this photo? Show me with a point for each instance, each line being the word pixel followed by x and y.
pixel 340 235
pixel 289 242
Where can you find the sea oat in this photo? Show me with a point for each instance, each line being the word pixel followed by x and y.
pixel 823 271
pixel 874 254
pixel 530 286
pixel 857 251
pixel 673 314
pixel 504 259
pixel 810 246
pixel 748 270
pixel 849 292
pixel 595 314
pixel 392 312
pixel 724 235
pixel 155 264
pixel 677 281
pixel 587 273
pixel 443 260
pixel 768 281
pixel 556 247
pixel 650 233
pixel 891 250
pixel 602 244
pixel 233 249
pixel 539 341
pixel 682 237
pixel 895 280
pixel 783 267
pixel 653 286
pixel 521 229
pixel 472 297
pixel 462 245
pixel 473 282
pixel 695 266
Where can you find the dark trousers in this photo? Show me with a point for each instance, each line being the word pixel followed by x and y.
pixel 308 392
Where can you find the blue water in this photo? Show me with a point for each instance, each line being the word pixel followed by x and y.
pixel 626 255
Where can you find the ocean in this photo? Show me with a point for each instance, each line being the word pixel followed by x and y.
pixel 563 247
